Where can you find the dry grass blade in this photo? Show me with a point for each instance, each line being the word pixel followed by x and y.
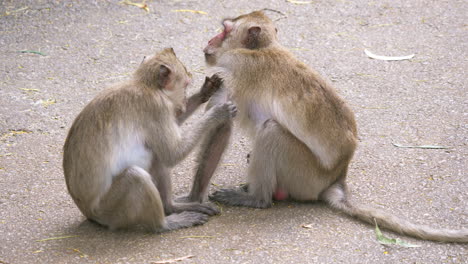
pixel 299 2
pixel 141 5
pixel 387 58
pixel 55 238
pixel 197 237
pixel 172 260
pixel 420 147
pixel 191 11
pixel 283 15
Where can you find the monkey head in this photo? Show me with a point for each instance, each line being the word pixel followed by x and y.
pixel 251 31
pixel 165 72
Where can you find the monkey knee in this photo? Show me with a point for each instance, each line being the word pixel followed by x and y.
pixel 136 174
pixel 270 132
pixel 270 126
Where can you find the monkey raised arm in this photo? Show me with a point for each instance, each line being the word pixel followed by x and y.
pixel 171 149
pixel 210 86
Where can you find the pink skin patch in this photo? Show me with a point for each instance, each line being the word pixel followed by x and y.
pixel 218 39
pixel 280 195
pixel 214 43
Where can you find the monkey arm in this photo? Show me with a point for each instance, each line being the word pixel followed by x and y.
pixel 170 144
pixel 171 147
pixel 210 86
pixel 192 104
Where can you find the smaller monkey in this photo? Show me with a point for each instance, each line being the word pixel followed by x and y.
pixel 120 149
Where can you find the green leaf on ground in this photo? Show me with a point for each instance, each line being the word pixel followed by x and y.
pixel 391 241
pixel 33 52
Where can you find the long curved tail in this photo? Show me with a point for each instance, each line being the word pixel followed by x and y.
pixel 335 197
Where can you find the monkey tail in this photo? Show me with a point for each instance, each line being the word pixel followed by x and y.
pixel 336 198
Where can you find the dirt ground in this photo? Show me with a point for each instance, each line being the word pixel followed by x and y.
pixel 85 46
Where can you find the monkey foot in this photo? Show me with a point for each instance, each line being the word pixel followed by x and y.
pixel 238 197
pixel 184 219
pixel 186 198
pixel 204 208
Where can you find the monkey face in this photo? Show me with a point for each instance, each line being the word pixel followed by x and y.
pixel 251 31
pixel 164 71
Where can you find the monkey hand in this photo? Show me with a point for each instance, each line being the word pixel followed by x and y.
pixel 211 86
pixel 223 112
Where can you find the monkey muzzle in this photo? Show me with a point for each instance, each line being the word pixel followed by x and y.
pixel 217 41
pixel 214 43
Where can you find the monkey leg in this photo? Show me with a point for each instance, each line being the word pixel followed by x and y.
pixel 281 166
pixel 210 154
pixel 133 199
pixel 162 178
pixel 261 173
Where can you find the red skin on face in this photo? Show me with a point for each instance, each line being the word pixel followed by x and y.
pixel 214 43
pixel 218 39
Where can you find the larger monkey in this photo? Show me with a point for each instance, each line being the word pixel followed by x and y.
pixel 120 149
pixel 304 135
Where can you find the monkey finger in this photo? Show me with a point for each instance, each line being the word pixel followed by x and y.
pixel 232 108
pixel 210 87
pixel 210 209
pixel 204 208
pixel 216 80
pixel 225 196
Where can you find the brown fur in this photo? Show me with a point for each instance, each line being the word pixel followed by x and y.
pixel 120 149
pixel 304 134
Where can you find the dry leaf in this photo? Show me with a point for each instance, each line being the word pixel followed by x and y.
pixel 172 260
pixel 309 226
pixel 387 58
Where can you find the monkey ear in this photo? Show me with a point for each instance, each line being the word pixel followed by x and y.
pixel 253 37
pixel 164 76
pixel 168 49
